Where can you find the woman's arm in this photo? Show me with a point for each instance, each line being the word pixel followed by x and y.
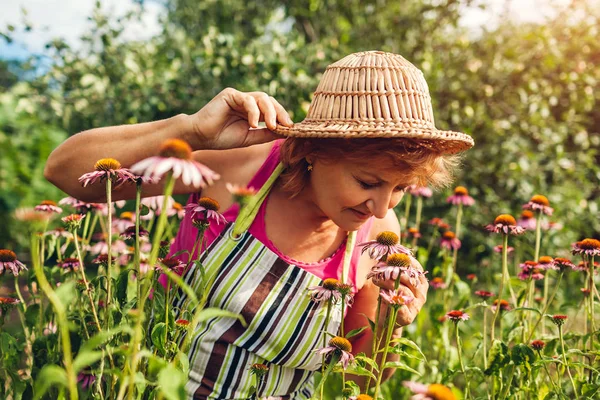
pixel 230 120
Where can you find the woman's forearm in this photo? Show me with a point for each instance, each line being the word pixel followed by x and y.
pixel 125 143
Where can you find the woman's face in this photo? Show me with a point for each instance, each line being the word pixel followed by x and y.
pixel 350 193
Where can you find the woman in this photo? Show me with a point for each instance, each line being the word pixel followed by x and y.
pixel 318 192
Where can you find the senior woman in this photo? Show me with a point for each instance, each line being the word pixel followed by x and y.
pixel 323 185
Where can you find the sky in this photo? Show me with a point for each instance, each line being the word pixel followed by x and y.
pixel 68 19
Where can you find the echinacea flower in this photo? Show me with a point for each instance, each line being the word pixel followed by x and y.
pixel 85 379
pixel 449 241
pixel 49 329
pixel 484 294
pixel 176 156
pixel 538 345
pixel 504 305
pixel 439 223
pixel 558 320
pixel 179 210
pixel 385 243
pixel 585 291
pixel 129 233
pixel 347 292
pixel 498 249
pixel 241 194
pixel 539 203
pixel 48 206
pixel 505 223
pixel 70 264
pixel 530 270
pixel 563 263
pixel 394 298
pixel 419 191
pixel 590 247
pixel 360 397
pixel 413 233
pixel 259 370
pixel 28 214
pixel 206 210
pixel 437 283
pixel 173 264
pixel 339 348
pixel 73 221
pixel 327 290
pixel 125 220
pixel 457 316
pixel 546 262
pixel 107 168
pixel 9 262
pixel 101 260
pixel 182 323
pixel 434 391
pixel 393 266
pixel 461 196
pixel 527 220
pixel 7 303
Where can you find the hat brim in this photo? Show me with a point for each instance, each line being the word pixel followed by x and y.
pixel 446 142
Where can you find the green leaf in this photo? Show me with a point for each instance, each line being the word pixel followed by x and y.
pixel 66 293
pixel 400 365
pixel 158 336
pixel 407 342
pixel 181 283
pixel 85 359
pixel 213 312
pixel 354 369
pixel 121 287
pixel 523 309
pixel 371 323
pixel 50 375
pixel 498 357
pixel 355 332
pixel 521 354
pixel 361 358
pixel 172 383
pixel 102 337
pixel 350 384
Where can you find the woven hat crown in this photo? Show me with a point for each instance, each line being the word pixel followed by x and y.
pixel 375 94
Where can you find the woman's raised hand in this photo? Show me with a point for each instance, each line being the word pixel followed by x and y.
pixel 231 120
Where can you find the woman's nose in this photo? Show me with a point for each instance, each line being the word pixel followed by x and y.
pixel 380 204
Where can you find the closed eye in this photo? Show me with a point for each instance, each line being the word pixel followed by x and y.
pixel 367 185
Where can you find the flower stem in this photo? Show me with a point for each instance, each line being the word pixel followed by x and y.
pixel 390 329
pixel 328 313
pixel 460 360
pixel 85 281
pixel 546 305
pixel 564 354
pixel 109 255
pixel 556 389
pixel 61 316
pixel 136 256
pixel 374 343
pixel 459 213
pixel 504 278
pixel 592 287
pixel 485 349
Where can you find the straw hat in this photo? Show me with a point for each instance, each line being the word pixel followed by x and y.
pixel 375 94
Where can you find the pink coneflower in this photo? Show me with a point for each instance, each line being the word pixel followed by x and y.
pixel 385 243
pixel 101 247
pixel 338 346
pixel 527 220
pixel 437 283
pixel 125 220
pixel 434 391
pixel 347 292
pixel 60 232
pixel 450 241
pixel 586 292
pixel 419 191
pixel 172 264
pixel 241 194
pixel 327 290
pixel 175 156
pixel 28 214
pixel 70 263
pixel 471 277
pixel 395 298
pixel 129 233
pixel 155 204
pixel 538 345
pixel 259 370
pixel 546 263
pixel 206 210
pixel 107 168
pixel 530 270
pixel 484 294
pixel 563 263
pixel 393 266
pixel 73 221
pixel 498 249
pixel 179 210
pixel 461 196
pixel 48 206
pixel 9 262
pixel 506 224
pixel 85 380
pixel 504 305
pixel 7 303
pixel 558 320
pixel 539 202
pixel 457 316
pixel 590 247
pixel 49 329
pixel 413 233
pixel 439 223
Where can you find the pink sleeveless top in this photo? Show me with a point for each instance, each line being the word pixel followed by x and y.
pixel 330 267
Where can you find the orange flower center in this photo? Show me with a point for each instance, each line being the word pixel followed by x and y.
pixel 341 343
pixel 398 260
pixel 455 314
pixel 331 284
pixel 177 206
pixel 562 261
pixel 505 219
pixel 461 191
pixel 530 263
pixel 540 199
pixel 363 397
pixel 448 235
pixel 526 214
pixel 7 256
pixel 128 215
pixel 176 148
pixel 437 280
pixel 412 231
pixel 209 203
pixel 387 238
pixel 107 164
pixel 440 392
pixel 546 259
pixel 48 203
pixel 590 244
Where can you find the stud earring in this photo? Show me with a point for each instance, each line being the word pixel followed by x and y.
pixel 310 166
